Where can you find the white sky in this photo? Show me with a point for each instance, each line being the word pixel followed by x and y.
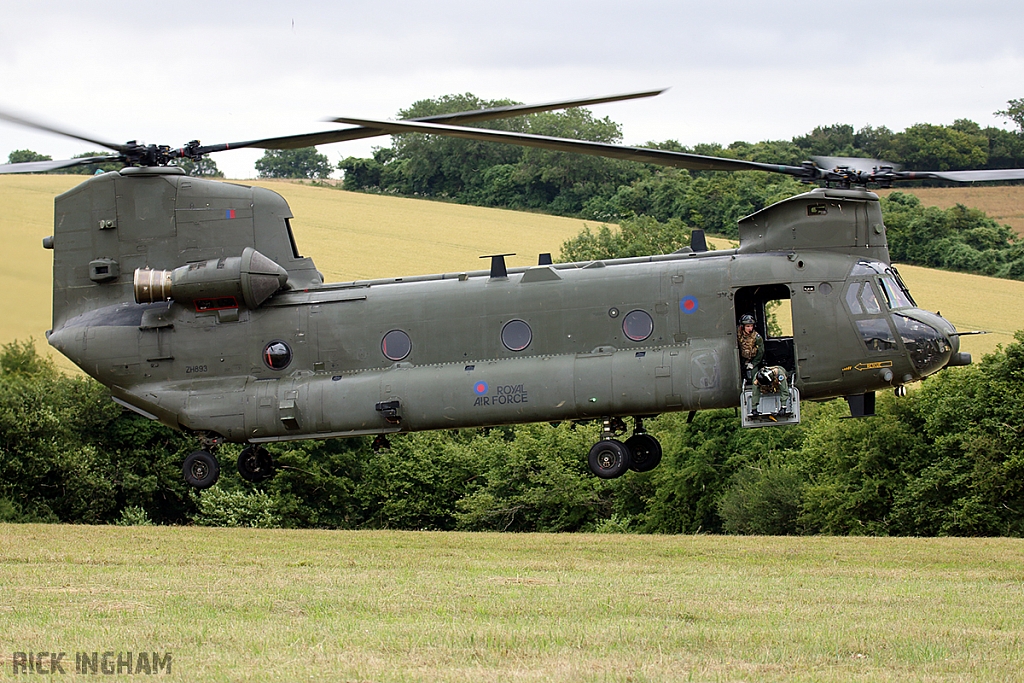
pixel 170 72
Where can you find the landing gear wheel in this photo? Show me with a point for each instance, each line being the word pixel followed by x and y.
pixel 255 464
pixel 608 459
pixel 644 451
pixel 201 470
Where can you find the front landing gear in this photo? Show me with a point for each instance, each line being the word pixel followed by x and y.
pixel 201 469
pixel 255 464
pixel 610 458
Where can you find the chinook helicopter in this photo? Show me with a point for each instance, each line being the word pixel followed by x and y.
pixel 190 300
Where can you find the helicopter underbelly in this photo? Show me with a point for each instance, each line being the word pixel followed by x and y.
pixel 414 398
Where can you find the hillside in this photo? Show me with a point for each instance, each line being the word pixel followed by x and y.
pixel 357 236
pixel 1005 204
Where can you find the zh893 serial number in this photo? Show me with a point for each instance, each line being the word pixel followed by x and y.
pixel 191 369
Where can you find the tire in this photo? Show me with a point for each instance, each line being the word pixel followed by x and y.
pixel 608 459
pixel 201 470
pixel 644 452
pixel 255 464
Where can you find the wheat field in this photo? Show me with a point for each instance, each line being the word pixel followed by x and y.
pixel 1004 203
pixel 353 236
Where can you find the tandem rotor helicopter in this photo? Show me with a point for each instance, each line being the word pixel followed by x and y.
pixel 189 299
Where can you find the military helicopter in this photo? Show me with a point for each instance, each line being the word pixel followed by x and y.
pixel 190 300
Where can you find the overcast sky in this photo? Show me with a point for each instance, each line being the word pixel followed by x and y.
pixel 170 72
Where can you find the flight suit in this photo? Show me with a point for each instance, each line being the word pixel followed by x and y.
pixel 779 385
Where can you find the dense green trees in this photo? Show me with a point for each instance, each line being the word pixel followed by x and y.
pixel 945 460
pixel 68 454
pixel 491 174
pixel 20 156
pixel 203 168
pixel 89 169
pixel 304 162
pixel 957 238
pixel 488 174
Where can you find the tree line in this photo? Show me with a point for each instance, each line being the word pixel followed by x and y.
pixel 945 460
pixel 490 174
pixel 664 201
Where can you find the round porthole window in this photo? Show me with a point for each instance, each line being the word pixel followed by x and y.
pixel 516 335
pixel 277 355
pixel 396 345
pixel 638 325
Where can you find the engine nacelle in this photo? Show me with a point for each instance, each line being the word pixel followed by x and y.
pixel 252 278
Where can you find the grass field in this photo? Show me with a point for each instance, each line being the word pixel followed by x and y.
pixel 357 236
pixel 1005 204
pixel 242 604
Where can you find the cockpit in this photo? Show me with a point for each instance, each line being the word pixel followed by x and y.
pixel 886 317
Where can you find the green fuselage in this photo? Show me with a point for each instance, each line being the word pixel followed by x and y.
pixel 625 337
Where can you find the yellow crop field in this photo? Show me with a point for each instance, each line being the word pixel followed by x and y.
pixel 1005 204
pixel 354 236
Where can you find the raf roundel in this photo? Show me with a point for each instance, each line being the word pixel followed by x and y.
pixel 480 388
pixel 688 304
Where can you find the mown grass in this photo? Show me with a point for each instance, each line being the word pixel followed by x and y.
pixel 358 236
pixel 405 606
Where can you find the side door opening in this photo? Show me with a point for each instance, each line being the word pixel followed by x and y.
pixel 771 307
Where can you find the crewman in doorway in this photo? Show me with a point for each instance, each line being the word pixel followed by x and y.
pixel 751 346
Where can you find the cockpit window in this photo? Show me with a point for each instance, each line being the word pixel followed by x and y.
pixel 860 297
pixel 876 334
pixel 894 294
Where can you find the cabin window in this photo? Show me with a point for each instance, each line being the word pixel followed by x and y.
pixel 396 345
pixel 638 325
pixel 778 318
pixel 277 355
pixel 516 335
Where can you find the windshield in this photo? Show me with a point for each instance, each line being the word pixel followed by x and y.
pixel 895 295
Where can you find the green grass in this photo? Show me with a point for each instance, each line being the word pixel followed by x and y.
pixel 406 606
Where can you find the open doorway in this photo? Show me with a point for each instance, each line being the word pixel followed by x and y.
pixel 773 318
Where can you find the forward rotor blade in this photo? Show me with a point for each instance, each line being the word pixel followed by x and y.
pixel 859 164
pixel 44 166
pixel 51 129
pixel 645 155
pixel 965 176
pixel 327 137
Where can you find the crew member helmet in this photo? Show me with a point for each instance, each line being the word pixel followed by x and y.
pixel 747 319
pixel 764 377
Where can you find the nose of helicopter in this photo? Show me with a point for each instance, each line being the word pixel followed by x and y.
pixel 932 341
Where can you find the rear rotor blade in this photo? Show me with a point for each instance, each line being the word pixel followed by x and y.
pixel 44 166
pixel 645 155
pixel 524 109
pixel 327 137
pixel 58 131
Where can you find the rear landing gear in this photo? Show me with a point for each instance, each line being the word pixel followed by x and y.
pixel 610 458
pixel 255 464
